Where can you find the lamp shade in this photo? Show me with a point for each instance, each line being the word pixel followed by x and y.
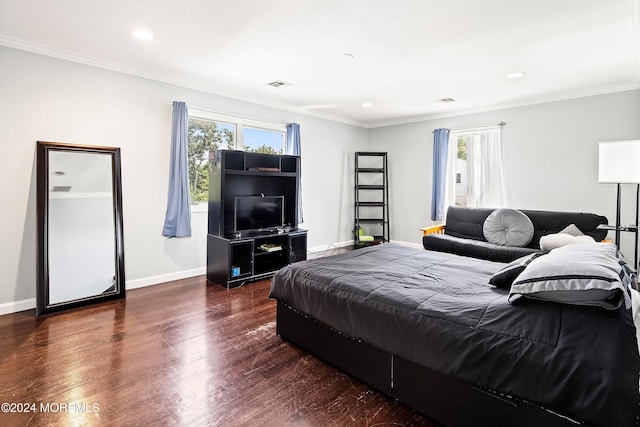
pixel 619 162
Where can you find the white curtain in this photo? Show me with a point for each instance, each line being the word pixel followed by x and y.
pixel 488 190
pixel 484 174
pixel 450 192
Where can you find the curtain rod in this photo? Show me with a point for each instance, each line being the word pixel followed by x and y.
pixel 469 128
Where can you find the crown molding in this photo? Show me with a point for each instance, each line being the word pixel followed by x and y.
pixel 564 96
pixel 76 57
pixel 555 97
pixel 36 48
pixel 39 49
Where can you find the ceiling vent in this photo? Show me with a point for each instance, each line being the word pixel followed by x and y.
pixel 279 83
pixel 61 188
pixel 445 100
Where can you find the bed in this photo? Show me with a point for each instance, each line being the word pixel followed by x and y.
pixel 429 330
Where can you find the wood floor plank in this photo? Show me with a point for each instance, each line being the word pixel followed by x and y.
pixel 181 353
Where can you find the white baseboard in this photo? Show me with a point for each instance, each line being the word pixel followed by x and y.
pixel 330 246
pixel 16 306
pixel 162 278
pixel 28 304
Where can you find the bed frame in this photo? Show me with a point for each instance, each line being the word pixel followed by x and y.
pixel 444 399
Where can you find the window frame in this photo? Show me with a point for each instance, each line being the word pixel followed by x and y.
pixel 240 123
pixel 473 167
pixel 283 134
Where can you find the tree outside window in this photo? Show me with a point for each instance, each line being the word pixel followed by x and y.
pixel 265 141
pixel 205 136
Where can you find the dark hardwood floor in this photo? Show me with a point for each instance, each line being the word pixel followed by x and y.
pixel 180 353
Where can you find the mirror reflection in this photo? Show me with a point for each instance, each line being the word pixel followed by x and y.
pixel 81 226
pixel 81 259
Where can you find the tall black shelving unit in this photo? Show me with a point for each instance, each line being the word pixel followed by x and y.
pixel 371 208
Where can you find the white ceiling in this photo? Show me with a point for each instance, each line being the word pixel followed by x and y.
pixel 406 53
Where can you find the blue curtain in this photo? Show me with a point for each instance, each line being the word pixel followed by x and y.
pixel 440 150
pixel 292 147
pixel 177 221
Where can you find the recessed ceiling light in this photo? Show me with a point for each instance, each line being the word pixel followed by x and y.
pixel 516 75
pixel 367 104
pixel 141 34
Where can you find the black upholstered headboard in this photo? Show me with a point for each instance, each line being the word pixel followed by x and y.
pixel 466 222
pixel 549 222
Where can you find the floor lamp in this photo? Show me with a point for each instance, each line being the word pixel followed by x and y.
pixel 619 163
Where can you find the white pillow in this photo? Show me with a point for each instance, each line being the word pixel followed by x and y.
pixel 572 229
pixel 553 241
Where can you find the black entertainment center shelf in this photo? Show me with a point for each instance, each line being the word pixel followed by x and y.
pixel 261 234
pixel 253 221
pixel 260 173
pixel 232 262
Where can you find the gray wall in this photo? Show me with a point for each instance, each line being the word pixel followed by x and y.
pixel 48 99
pixel 550 156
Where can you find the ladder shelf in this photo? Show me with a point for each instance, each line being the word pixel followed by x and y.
pixel 371 207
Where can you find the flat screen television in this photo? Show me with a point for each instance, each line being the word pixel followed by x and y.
pixel 258 213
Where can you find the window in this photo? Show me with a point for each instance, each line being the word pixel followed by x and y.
pixel 475 162
pixel 204 136
pixel 262 140
pixel 213 131
pixel 462 171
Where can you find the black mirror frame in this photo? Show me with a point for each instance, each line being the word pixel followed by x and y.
pixel 43 305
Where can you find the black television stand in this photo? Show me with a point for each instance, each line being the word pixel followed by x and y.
pixel 254 248
pixel 260 233
pixel 233 261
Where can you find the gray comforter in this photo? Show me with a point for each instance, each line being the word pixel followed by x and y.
pixel 438 310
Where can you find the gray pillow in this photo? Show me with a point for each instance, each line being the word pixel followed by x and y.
pixel 580 274
pixel 504 277
pixel 572 229
pixel 508 227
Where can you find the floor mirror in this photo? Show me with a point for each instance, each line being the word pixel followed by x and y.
pixel 79 209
